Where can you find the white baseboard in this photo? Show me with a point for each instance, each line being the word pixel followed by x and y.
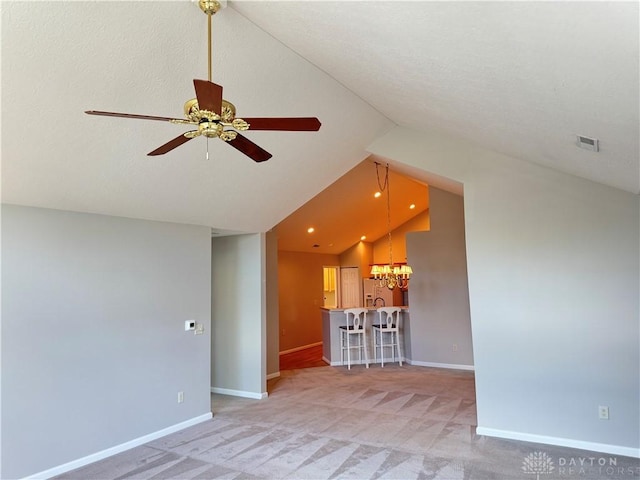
pixel 361 362
pixel 340 364
pixel 94 457
pixel 297 349
pixel 273 375
pixel 452 366
pixel 240 393
pixel 562 442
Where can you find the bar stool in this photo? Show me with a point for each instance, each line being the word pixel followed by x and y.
pixel 387 333
pixel 356 329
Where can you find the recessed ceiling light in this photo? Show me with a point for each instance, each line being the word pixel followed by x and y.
pixel 363 237
pixel 377 194
pixel 412 206
pixel 311 230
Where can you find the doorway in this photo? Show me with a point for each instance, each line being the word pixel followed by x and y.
pixel 331 287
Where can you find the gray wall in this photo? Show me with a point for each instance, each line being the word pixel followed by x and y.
pixel 238 337
pixel 93 343
pixel 273 311
pixel 439 293
pixel 554 270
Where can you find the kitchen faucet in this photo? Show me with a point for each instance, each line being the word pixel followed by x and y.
pixel 379 298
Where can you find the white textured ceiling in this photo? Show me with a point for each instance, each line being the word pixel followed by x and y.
pixel 521 78
pixel 62 58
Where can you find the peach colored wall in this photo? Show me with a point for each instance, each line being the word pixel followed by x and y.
pixel 300 281
pixel 300 297
pixel 419 223
pixel 360 255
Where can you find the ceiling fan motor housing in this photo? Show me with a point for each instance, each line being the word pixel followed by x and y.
pixel 210 129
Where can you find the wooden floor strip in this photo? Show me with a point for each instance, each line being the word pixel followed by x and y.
pixel 309 357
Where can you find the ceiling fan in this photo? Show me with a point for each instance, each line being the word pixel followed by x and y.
pixel 215 117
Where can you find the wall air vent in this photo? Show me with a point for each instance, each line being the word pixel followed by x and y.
pixel 588 143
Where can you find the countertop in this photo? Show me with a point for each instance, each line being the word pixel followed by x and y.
pixel 402 307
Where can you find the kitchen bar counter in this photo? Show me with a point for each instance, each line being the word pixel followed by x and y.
pixel 333 318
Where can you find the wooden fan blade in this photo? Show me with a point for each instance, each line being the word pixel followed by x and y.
pixel 209 96
pixel 309 124
pixel 131 115
pixel 246 146
pixel 167 147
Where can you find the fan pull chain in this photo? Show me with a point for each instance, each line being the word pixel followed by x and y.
pixel 207 148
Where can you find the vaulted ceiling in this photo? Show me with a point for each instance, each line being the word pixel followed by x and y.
pixel 350 208
pixel 520 78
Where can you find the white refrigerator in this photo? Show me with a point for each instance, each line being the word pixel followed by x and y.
pixel 372 291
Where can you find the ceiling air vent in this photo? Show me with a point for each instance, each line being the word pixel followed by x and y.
pixel 588 143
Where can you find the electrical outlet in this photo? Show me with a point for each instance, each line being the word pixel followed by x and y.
pixel 180 397
pixel 454 347
pixel 199 329
pixel 284 332
pixel 603 412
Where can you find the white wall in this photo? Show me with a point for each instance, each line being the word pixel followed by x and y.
pixel 238 337
pixel 553 264
pixel 94 349
pixel 438 291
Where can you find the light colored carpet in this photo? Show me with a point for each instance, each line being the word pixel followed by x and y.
pixel 327 422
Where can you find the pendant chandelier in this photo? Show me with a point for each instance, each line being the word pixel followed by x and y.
pixel 390 275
